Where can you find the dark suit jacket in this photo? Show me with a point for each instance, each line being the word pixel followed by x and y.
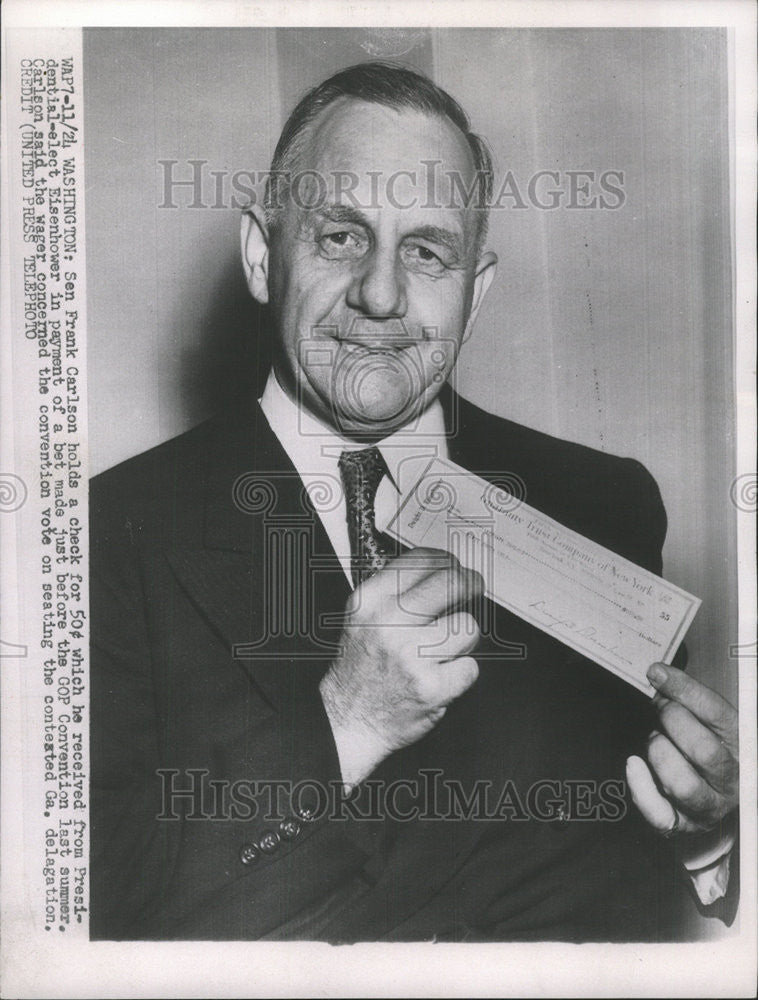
pixel 182 576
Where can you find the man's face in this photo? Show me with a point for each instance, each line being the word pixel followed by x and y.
pixel 371 298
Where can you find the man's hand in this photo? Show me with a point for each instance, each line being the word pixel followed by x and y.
pixel 693 757
pixel 404 657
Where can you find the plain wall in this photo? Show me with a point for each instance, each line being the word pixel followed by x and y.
pixel 609 327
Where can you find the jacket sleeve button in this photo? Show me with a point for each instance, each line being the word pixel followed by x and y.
pixel 306 814
pixel 289 829
pixel 561 817
pixel 269 842
pixel 249 854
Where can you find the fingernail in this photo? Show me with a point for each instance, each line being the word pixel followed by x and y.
pixel 657 674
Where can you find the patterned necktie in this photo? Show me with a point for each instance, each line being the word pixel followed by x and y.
pixel 361 472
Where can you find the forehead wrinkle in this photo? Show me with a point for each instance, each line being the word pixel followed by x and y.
pixel 349 118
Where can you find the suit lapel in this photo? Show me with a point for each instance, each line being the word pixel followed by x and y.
pixel 266 577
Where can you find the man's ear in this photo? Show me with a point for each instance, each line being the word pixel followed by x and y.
pixel 255 237
pixel 486 267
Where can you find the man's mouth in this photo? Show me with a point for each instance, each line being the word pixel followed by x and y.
pixel 368 347
pixel 374 335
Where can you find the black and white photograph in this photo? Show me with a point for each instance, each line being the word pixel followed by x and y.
pixel 379 451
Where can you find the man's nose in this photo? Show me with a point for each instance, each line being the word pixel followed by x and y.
pixel 379 288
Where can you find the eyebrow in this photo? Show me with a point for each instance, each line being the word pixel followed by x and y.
pixel 435 234
pixel 342 213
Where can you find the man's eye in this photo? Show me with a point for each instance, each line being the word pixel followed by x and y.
pixel 418 257
pixel 342 245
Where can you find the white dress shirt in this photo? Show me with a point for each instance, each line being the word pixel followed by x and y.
pixel 314 449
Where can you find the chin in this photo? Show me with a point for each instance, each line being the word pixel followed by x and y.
pixel 368 396
pixel 378 418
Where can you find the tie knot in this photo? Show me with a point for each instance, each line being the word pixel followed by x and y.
pixel 361 472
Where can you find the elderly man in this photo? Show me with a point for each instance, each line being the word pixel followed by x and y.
pixel 301 730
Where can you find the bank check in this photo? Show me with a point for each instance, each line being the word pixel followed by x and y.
pixel 593 600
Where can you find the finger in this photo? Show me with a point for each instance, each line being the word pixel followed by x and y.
pixel 702 748
pixel 681 784
pixel 704 703
pixel 448 637
pixel 441 592
pixel 410 568
pixel 455 677
pixel 656 810
pixel 381 596
pixel 420 562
